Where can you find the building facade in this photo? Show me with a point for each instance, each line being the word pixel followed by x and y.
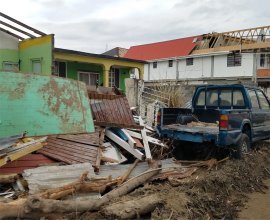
pixel 33 51
pixel 241 55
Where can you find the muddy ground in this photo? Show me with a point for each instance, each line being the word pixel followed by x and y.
pixel 220 193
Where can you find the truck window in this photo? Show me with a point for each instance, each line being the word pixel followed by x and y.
pixel 263 101
pixel 225 97
pixel 201 98
pixel 212 97
pixel 238 98
pixel 253 99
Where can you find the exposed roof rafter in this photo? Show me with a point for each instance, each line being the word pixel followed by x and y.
pixel 18 29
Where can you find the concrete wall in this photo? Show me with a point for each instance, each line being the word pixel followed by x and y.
pixel 221 69
pixel 37 49
pixel 203 67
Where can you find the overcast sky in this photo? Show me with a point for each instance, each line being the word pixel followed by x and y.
pixel 94 25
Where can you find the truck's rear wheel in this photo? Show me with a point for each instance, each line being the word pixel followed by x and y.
pixel 243 146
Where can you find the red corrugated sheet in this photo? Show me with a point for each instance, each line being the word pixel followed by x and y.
pixel 72 149
pixel 27 162
pixel 166 49
pixel 111 111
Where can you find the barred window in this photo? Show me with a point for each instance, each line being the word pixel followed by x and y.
pixel 234 59
pixel 170 63
pixel 262 60
pixel 189 61
pixel 154 64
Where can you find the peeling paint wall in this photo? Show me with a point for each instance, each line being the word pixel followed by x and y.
pixel 42 105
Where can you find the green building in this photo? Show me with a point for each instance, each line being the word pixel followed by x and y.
pixel 28 50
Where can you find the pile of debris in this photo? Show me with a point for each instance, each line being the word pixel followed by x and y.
pixel 76 167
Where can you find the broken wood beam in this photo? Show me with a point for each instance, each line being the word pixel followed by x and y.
pixel 36 204
pixel 132 208
pixel 9 178
pixel 145 141
pixel 124 144
pixel 126 175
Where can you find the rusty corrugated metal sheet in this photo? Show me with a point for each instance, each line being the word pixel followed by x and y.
pixel 26 162
pixel 111 111
pixel 71 150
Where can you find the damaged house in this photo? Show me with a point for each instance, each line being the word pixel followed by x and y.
pixel 233 56
pixel 28 50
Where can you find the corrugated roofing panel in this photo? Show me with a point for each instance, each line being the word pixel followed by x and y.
pixel 112 111
pixel 26 162
pixel 69 150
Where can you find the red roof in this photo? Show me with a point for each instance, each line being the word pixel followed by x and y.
pixel 172 48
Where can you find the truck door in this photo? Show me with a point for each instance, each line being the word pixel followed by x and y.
pixel 257 117
pixel 265 111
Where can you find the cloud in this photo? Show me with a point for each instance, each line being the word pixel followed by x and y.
pixel 92 25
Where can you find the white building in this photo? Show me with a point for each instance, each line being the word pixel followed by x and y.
pixel 211 57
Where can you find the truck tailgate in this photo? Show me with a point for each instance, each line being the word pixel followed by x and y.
pixel 196 129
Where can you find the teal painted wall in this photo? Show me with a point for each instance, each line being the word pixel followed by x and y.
pixel 43 105
pixel 124 73
pixel 74 67
pixel 9 55
pixel 39 49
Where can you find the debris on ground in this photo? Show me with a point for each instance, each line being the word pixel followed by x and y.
pixel 122 170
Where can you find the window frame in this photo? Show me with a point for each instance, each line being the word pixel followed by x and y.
pixel 232 59
pixel 189 61
pixel 259 101
pixel 56 70
pixel 154 65
pixel 262 59
pixel 88 73
pixel 10 63
pixel 170 63
pixel 36 60
pixel 253 90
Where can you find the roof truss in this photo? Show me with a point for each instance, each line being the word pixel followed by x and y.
pixel 17 29
pixel 234 40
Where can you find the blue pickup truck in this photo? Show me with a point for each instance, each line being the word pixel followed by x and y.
pixel 231 116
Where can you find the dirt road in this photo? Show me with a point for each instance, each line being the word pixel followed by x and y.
pixel 258 206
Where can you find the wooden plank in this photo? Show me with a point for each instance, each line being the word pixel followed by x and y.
pixel 145 141
pixel 22 152
pixel 124 144
pixel 150 139
pixel 131 141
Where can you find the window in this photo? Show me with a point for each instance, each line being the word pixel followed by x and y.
pixel 238 98
pixel 154 65
pixel 170 63
pixel 201 98
pixel 212 97
pixel 114 77
pixel 36 66
pixel 10 66
pixel 262 60
pixel 88 78
pixel 234 59
pixel 61 69
pixel 263 101
pixel 225 97
pixel 189 61
pixel 253 99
